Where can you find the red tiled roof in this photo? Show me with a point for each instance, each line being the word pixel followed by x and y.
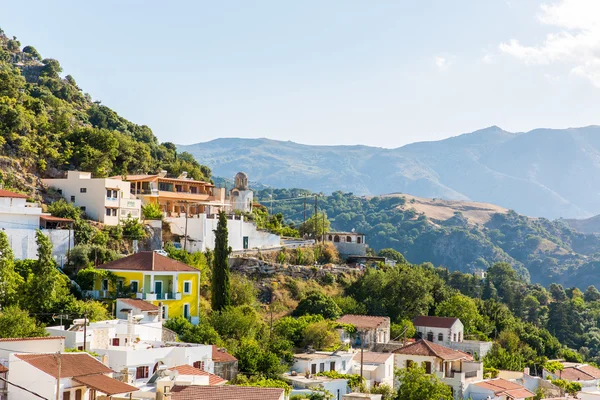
pixel 105 384
pixel 71 364
pixel 147 261
pixel 590 370
pixel 3 368
pixel 426 348
pixel 363 321
pixel 54 219
pixel 373 357
pixel 501 386
pixel 32 338
pixel 8 193
pixel 139 304
pixel 574 374
pixel 220 355
pixel 225 393
pixel 213 380
pixel 434 322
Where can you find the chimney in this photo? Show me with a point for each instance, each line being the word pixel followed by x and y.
pixel 162 173
pixel 526 371
pixel 160 310
pixel 130 328
pixel 183 175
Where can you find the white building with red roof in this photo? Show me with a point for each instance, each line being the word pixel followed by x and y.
pixel 497 389
pixel 372 330
pixel 20 219
pixel 586 375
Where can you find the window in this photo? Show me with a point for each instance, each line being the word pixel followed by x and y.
pixel 336 239
pixel 59 191
pixel 199 365
pixel 82 208
pixel 322 367
pixel 358 240
pixel 186 310
pixel 332 366
pixel 104 284
pixel 72 199
pixel 115 341
pixel 78 394
pixel 440 337
pixel 427 367
pixel 141 372
pixel 460 336
pixel 66 395
pixel 313 368
pixel 430 336
pixel 343 366
pixel 120 284
pixel 111 212
pixel 348 239
pixel 133 286
pixel 187 287
pixel 82 190
pixel 454 337
pixel 165 312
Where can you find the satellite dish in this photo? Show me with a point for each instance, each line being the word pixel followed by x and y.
pixel 353 230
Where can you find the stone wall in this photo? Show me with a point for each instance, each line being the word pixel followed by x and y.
pixel 254 266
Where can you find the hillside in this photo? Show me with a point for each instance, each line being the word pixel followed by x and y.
pixel 543 173
pixel 461 236
pixel 48 125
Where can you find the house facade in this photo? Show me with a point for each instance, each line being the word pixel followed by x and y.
pixel 348 243
pixel 377 368
pixel 370 330
pixel 20 220
pixel 225 365
pixel 587 375
pixel 449 332
pixel 454 368
pixel 79 377
pixel 156 279
pixel 241 196
pixel 106 200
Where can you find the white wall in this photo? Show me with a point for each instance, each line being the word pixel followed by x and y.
pixel 303 365
pixel 456 329
pixel 23 374
pixel 22 242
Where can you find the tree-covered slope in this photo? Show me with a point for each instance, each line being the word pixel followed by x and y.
pixel 543 173
pixel 541 250
pixel 47 124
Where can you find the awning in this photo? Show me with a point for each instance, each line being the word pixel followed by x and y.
pixel 105 384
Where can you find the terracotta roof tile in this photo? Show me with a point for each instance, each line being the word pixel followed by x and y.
pixel 3 368
pixel 32 338
pixel 105 384
pixel 590 370
pixel 373 357
pixel 521 393
pixel 426 348
pixel 71 364
pixel 213 380
pixel 220 355
pixel 225 393
pixel 434 322
pixel 55 219
pixel 139 304
pixel 8 193
pixel 363 321
pixel 574 374
pixel 501 386
pixel 147 261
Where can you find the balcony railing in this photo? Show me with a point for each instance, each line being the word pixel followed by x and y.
pixel 158 296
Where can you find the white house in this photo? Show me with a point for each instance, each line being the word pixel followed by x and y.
pixel 587 375
pixel 241 196
pixel 75 376
pixel 497 389
pixel 322 361
pixel 149 312
pixel 454 368
pixel 371 330
pixel 20 219
pixel 377 368
pixel 449 332
pixel 105 200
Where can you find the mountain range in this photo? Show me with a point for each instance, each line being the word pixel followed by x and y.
pixel 548 173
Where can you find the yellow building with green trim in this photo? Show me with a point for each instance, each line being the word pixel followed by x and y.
pixel 156 279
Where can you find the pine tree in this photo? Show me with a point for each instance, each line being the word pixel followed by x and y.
pixel 221 294
pixel 10 280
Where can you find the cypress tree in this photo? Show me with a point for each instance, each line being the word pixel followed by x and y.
pixel 10 280
pixel 221 294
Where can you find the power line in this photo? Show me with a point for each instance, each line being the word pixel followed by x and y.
pixel 22 388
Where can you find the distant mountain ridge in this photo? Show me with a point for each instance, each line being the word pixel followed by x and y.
pixel 544 172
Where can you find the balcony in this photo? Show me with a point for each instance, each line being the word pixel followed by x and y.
pixel 158 296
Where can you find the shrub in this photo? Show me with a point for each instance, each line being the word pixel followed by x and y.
pixel 152 211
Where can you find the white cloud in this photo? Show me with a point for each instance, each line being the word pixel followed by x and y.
pixel 442 63
pixel 487 58
pixel 574 43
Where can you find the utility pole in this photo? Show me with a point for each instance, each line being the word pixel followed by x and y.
pixel 186 224
pixel 316 217
pixel 323 233
pixel 58 362
pixel 84 330
pixel 362 346
pixel 305 209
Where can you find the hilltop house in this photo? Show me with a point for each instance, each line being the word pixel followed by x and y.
pixel 75 376
pixel 370 330
pixel 348 243
pixel 106 200
pixel 20 219
pixel 449 332
pixel 454 368
pixel 157 279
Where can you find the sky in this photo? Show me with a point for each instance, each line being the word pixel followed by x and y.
pixel 380 73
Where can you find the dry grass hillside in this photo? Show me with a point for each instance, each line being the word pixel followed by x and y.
pixel 441 210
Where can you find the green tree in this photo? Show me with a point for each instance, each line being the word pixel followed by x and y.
pixel 31 51
pixel 392 255
pixel 316 223
pixel 152 211
pixel 133 229
pixel 415 384
pixel 221 292
pixel 591 294
pixel 10 280
pixel 318 303
pixel 321 336
pixel 15 322
pixel 463 308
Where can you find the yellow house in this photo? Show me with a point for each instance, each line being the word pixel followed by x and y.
pixel 156 279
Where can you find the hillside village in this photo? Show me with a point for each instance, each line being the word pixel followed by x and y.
pixel 127 273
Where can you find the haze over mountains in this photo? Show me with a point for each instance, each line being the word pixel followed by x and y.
pixel 544 172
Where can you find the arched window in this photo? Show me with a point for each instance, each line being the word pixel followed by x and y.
pixel 428 367
pixel 440 337
pixel 348 239
pixel 336 239
pixel 330 238
pixel 358 240
pixel 430 336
